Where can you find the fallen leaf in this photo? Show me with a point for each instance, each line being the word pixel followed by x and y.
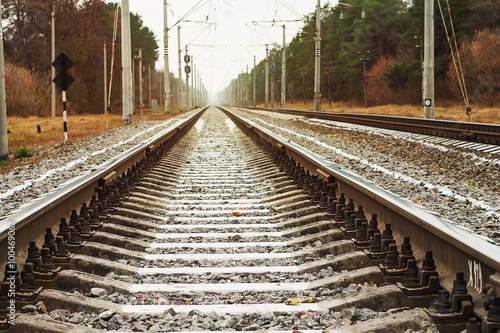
pixel 237 214
pixel 292 301
pixel 308 300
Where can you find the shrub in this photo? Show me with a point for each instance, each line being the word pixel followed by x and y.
pixel 481 66
pixel 23 152
pixel 27 93
pixel 392 82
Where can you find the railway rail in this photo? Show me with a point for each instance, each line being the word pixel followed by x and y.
pixel 218 224
pixel 473 132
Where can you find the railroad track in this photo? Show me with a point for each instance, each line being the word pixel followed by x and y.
pixel 218 227
pixel 486 134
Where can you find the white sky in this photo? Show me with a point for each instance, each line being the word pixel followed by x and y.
pixel 235 37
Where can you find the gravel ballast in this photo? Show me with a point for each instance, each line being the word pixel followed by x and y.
pixel 61 163
pixel 459 185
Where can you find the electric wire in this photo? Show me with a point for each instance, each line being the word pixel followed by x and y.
pixel 458 52
pixel 192 10
pixel 290 8
pixel 461 84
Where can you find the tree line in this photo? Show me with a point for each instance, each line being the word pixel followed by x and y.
pixel 81 29
pixel 387 36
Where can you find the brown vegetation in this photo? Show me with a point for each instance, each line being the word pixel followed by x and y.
pixel 448 111
pixel 27 92
pixel 23 131
pixel 481 66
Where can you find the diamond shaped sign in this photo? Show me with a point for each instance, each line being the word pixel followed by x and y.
pixel 62 64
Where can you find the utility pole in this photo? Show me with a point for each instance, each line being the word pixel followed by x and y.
pixel 303 72
pixel 254 82
pixel 266 94
pixel 246 85
pixel 429 60
pixel 364 83
pixel 105 79
pixel 111 68
pixel 134 57
pixel 141 85
pixel 364 58
pixel 420 46
pixel 53 54
pixel 180 67
pixel 273 78
pixel 186 59
pixel 199 90
pixel 167 93
pixel 327 69
pixel 317 64
pixel 161 90
pixel 238 91
pixel 128 107
pixel 283 72
pixel 195 89
pixel 241 89
pixel 150 99
pixel 4 144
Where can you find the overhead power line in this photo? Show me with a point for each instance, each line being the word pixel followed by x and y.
pixel 191 11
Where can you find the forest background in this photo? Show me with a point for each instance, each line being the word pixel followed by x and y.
pixel 388 41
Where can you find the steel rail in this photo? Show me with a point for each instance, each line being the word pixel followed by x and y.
pixel 476 132
pixel 32 220
pixel 455 249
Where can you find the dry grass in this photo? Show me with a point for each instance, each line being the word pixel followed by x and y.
pixel 23 131
pixel 447 112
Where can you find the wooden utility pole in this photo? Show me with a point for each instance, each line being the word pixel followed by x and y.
pixel 4 145
pixel 141 85
pixel 150 98
pixel 254 82
pixel 53 57
pixel 105 80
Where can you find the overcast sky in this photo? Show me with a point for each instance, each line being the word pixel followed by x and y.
pixel 235 39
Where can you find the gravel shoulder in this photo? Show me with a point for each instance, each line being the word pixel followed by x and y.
pixel 460 185
pixel 53 165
